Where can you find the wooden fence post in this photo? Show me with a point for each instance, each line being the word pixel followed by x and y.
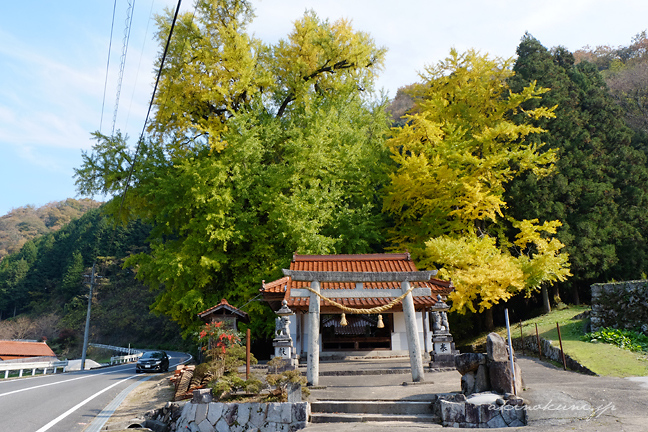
pixel 562 352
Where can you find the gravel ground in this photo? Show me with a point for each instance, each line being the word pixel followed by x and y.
pixel 151 394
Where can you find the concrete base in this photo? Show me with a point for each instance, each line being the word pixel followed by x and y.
pixel 75 365
pixel 372 411
pixel 372 407
pixel 373 419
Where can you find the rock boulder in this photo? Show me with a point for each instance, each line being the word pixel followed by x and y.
pixel 496 348
pixel 501 379
pixel 469 362
pixel 468 383
pixel 482 379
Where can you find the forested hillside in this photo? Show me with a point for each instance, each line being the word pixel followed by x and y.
pixel 25 223
pixel 44 281
pixel 625 70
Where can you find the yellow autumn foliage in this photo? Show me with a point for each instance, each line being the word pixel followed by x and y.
pixel 453 159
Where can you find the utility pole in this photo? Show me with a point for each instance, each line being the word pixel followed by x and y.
pixel 87 326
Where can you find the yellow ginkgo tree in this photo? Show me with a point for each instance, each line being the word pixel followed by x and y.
pixel 453 159
pixel 256 150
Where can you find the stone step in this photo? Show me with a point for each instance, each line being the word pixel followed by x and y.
pixel 398 407
pixel 363 418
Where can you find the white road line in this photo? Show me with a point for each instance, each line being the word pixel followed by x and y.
pixel 80 404
pixel 103 417
pixel 58 382
pixel 110 409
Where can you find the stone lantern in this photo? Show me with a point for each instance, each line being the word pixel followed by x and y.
pixel 443 348
pixel 282 341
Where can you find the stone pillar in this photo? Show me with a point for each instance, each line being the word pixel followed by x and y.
pixel 424 313
pixel 412 335
pixel 298 334
pixel 312 372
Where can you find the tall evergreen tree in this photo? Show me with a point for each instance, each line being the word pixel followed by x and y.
pixel 599 185
pixel 73 277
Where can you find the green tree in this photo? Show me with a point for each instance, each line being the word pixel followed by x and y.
pixel 598 189
pixel 453 159
pixel 257 152
pixel 12 282
pixel 34 277
pixel 73 277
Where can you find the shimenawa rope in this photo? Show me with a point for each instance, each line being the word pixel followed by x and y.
pixel 374 310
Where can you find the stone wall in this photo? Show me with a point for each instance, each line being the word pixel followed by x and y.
pixel 458 412
pixel 243 417
pixel 622 305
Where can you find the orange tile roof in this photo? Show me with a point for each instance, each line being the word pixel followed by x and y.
pixel 224 305
pixel 280 288
pixel 19 349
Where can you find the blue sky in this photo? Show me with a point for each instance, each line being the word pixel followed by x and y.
pixel 53 63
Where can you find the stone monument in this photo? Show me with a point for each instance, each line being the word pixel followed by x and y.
pixel 490 371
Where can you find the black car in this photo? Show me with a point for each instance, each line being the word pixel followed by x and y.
pixel 153 361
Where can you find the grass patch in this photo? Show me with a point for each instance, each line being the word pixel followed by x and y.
pixel 601 358
pixel 100 355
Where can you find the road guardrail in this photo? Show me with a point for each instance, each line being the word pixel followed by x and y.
pixel 125 359
pixel 116 348
pixel 7 367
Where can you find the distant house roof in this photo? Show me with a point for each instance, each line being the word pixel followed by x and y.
pixel 276 291
pixel 223 308
pixel 10 350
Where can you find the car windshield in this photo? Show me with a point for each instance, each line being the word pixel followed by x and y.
pixel 156 355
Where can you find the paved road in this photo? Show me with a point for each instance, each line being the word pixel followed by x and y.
pixel 64 402
pixel 561 401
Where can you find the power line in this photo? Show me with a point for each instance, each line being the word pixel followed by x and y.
pixel 139 65
pixel 129 22
pixel 148 113
pixel 184 43
pixel 103 102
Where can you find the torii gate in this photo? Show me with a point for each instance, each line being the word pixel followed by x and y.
pixel 315 277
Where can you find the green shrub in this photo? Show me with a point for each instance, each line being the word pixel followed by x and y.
pixel 626 339
pixel 283 380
